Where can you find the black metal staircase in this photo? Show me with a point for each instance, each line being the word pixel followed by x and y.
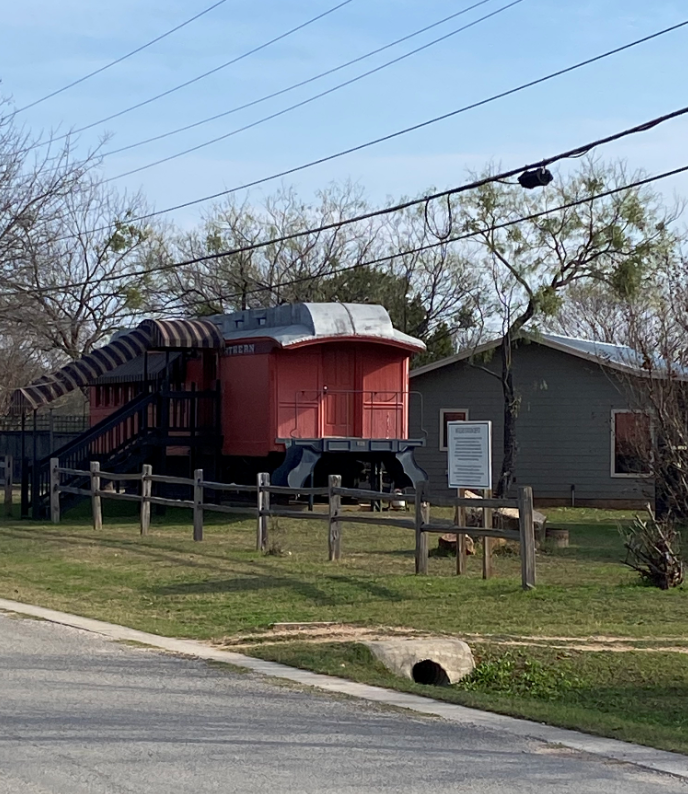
pixel 139 432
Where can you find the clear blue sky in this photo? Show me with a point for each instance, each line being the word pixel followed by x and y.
pixel 45 44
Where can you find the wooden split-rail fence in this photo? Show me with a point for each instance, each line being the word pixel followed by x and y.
pixel 421 524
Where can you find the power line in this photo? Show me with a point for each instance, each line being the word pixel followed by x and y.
pixel 199 77
pixel 457 238
pixel 316 96
pixel 570 153
pixel 404 131
pixel 122 58
pixel 399 133
pixel 296 85
pixel 576 152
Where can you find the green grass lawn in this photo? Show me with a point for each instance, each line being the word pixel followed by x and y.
pixel 167 584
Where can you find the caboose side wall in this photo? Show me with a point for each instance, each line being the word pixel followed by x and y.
pixel 324 389
pixel 105 400
pixel 384 384
pixel 248 413
pixel 298 382
pixel 335 389
pixel 201 371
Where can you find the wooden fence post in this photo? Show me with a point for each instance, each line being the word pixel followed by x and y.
pixel 198 505
pixel 263 510
pixel 460 537
pixel 335 507
pixel 55 490
pixel 527 532
pixel 146 493
pixel 8 485
pixel 95 495
pixel 421 537
pixel 487 542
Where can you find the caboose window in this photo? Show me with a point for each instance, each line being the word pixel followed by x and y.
pixel 450 415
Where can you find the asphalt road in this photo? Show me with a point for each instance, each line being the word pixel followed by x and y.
pixel 81 715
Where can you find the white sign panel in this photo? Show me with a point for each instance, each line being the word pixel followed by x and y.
pixel 469 446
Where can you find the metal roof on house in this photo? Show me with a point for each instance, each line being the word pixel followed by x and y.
pixel 298 323
pixel 619 357
pixel 604 352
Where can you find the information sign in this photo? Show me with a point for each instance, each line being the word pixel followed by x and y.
pixel 469 450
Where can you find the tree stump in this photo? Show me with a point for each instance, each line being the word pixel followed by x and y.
pixel 559 538
pixel 448 543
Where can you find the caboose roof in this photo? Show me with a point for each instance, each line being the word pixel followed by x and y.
pixel 302 323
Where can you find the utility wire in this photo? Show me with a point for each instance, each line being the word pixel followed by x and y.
pixel 570 153
pixel 122 58
pixel 295 85
pixel 316 96
pixel 457 238
pixel 197 78
pixel 577 152
pixel 398 133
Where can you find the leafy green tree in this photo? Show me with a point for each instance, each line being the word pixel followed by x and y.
pixel 615 241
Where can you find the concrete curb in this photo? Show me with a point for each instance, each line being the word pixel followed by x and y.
pixel 624 752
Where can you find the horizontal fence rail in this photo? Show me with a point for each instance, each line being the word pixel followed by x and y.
pixel 421 524
pixel 56 423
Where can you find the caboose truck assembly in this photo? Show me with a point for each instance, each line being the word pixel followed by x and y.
pixel 300 390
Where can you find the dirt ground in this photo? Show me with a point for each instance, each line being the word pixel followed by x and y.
pixel 341 632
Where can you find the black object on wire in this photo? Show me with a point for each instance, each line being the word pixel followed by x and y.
pixel 571 153
pixel 428 123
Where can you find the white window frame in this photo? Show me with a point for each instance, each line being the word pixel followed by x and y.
pixel 612 462
pixel 443 411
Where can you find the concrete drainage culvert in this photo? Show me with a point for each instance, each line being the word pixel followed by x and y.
pixel 427 661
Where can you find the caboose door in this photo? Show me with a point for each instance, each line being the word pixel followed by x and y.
pixel 339 383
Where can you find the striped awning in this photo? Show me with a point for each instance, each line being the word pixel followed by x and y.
pixel 150 335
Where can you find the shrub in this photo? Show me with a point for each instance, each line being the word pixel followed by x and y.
pixel 653 550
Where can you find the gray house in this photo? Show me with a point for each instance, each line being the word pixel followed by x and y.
pixel 576 430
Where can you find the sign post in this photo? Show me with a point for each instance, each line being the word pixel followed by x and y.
pixel 469 450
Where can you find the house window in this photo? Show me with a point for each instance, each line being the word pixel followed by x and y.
pixel 450 415
pixel 631 443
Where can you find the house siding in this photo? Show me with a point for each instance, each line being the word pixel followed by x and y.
pixel 563 428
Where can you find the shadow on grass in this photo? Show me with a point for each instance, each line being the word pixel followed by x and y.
pixel 244 584
pixel 270 580
pixel 394 553
pixel 139 547
pixel 589 544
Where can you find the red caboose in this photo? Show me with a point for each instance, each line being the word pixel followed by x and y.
pixel 314 380
pixel 299 390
